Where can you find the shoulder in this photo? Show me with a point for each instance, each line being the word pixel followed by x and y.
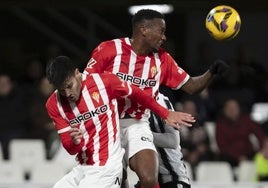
pixel 107 43
pixel 111 43
pixel 109 49
pixel 52 100
pixel 108 76
pixel 105 77
pixel 162 52
pixel 245 118
pixel 104 47
pixel 164 55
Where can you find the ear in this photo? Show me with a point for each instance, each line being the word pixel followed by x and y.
pixel 76 72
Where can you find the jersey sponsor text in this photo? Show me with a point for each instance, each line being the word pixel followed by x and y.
pixel 88 115
pixel 136 80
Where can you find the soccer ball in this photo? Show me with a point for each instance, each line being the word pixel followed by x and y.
pixel 223 22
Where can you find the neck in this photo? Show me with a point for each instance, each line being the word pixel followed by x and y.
pixel 139 48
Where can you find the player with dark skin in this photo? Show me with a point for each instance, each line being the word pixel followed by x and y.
pixel 147 38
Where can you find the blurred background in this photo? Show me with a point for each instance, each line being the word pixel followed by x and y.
pixel 33 32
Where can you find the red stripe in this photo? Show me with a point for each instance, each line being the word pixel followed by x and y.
pixel 91 130
pixel 103 133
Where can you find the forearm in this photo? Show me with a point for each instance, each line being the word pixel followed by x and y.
pixel 166 140
pixel 198 83
pixel 68 144
pixel 147 101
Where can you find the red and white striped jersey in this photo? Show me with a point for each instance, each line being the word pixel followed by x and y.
pixel 146 71
pixel 96 114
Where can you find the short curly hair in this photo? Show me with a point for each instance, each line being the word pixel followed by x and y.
pixel 146 14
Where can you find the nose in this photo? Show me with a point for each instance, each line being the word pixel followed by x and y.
pixel 67 93
pixel 164 38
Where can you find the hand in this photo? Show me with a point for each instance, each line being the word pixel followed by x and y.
pixel 219 67
pixel 176 119
pixel 76 135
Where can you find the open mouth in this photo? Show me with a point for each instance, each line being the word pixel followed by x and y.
pixel 160 43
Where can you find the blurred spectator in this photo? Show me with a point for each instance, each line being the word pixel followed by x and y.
pixel 41 126
pixel 251 71
pixel 13 54
pixel 247 77
pixel 261 162
pixel 205 104
pixel 12 112
pixel 34 72
pixel 194 141
pixel 233 134
pixel 265 127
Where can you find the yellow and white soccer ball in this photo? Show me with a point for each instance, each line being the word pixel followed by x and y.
pixel 223 22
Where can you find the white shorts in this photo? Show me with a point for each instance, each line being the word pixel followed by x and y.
pixel 136 135
pixel 85 176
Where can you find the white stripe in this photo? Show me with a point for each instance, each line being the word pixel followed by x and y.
pixel 104 96
pixel 131 69
pixel 132 62
pixel 66 129
pixel 157 76
pixel 116 118
pixel 84 76
pixel 62 113
pixel 117 59
pixel 146 70
pixel 129 89
pixel 183 82
pixel 96 121
pixel 127 40
pixel 82 128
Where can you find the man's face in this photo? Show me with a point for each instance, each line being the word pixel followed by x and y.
pixel 232 110
pixel 5 85
pixel 71 88
pixel 155 33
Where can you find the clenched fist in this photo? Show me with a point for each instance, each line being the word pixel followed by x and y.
pixel 76 135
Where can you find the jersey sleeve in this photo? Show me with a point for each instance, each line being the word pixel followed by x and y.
pixel 124 89
pixel 173 76
pixel 100 56
pixel 62 127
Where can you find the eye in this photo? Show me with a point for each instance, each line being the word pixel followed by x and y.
pixel 63 89
pixel 69 86
pixel 163 31
pixel 62 92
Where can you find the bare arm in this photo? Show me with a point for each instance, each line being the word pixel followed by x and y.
pixel 198 83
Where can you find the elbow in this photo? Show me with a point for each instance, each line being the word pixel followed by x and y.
pixel 191 92
pixel 174 142
pixel 193 86
pixel 69 149
pixel 195 90
pixel 174 145
pixel 72 149
pixel 68 144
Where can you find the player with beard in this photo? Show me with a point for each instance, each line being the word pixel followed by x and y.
pixel 141 61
